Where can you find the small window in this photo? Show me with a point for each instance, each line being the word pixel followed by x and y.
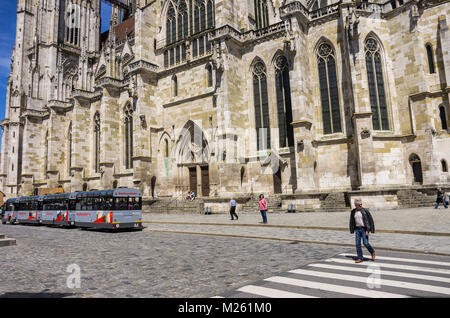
pixel 210 75
pixel 430 59
pixel 443 117
pixel 444 165
pixel 175 86
pixel 166 148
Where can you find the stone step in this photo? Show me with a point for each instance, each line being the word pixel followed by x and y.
pixel 7 242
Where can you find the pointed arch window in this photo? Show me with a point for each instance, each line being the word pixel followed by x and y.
pixel 380 116
pixel 128 130
pixel 261 101
pixel 430 59
pixel 261 14
pixel 97 142
pixel 210 14
pixel 283 88
pixel 331 114
pixel 171 25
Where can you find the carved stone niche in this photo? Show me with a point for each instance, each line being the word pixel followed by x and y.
pixel 351 24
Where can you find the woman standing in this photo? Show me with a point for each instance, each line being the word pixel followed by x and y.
pixel 263 208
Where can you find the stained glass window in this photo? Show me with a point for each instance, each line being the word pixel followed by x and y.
pixel 283 88
pixel 331 113
pixel 380 116
pixel 262 121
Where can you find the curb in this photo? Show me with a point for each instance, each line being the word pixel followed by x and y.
pixel 301 241
pixel 300 227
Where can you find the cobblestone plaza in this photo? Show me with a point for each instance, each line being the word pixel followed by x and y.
pixel 202 256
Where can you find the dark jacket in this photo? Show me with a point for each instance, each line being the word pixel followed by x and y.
pixel 367 219
pixel 440 196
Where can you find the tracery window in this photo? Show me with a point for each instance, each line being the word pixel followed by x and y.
pixel 185 19
pixel 128 130
pixel 331 114
pixel 171 25
pixel 261 14
pixel 380 116
pixel 283 88
pixel 97 142
pixel 261 102
pixel 73 22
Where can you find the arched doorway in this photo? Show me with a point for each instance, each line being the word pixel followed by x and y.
pixel 192 157
pixel 416 166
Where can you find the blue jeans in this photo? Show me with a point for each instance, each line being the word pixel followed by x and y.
pixel 361 233
pixel 443 202
pixel 264 215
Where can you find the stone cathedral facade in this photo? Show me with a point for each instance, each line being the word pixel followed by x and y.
pixel 229 98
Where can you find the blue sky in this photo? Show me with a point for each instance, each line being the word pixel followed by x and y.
pixel 7 37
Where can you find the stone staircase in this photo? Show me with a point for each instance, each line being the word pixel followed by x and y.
pixel 335 202
pixel 416 198
pixel 172 205
pixel 273 204
pixel 4 241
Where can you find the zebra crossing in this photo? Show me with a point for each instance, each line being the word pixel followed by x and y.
pixel 391 275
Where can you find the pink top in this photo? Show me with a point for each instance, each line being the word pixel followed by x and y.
pixel 262 204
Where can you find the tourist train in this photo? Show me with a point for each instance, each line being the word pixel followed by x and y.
pixel 109 209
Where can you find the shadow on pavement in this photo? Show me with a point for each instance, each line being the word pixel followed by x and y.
pixel 36 295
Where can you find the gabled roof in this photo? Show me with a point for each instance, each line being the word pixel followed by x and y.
pixel 122 31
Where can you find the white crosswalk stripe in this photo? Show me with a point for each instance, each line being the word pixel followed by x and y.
pixel 385 282
pixel 342 277
pixel 270 292
pixel 385 272
pixel 334 288
pixel 408 260
pixel 396 266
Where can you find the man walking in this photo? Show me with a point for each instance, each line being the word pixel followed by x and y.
pixel 233 209
pixel 440 198
pixel 361 223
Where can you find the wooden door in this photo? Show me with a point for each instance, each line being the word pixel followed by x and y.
pixel 205 181
pixel 417 170
pixel 193 180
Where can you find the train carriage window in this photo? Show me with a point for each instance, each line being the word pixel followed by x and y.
pixel 83 204
pixel 108 204
pixel 89 204
pixel 72 204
